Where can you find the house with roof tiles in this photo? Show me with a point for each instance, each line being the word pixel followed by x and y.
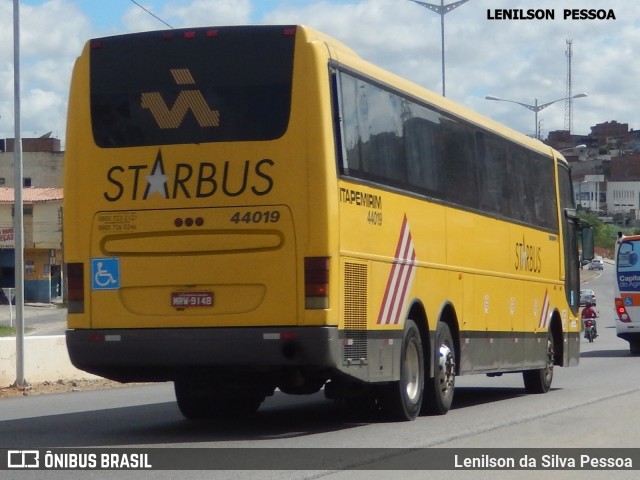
pixel 42 218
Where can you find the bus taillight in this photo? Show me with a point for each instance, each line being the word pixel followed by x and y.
pixel 75 287
pixel 622 311
pixel 316 282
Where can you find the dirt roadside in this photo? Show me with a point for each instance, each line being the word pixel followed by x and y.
pixel 54 385
pixel 58 386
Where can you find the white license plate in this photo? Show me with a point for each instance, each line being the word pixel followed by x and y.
pixel 191 299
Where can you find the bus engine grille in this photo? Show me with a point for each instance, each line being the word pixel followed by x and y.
pixel 355 313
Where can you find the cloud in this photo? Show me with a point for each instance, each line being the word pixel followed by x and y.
pixel 52 30
pixel 44 111
pixel 213 12
pixel 51 36
pixel 517 60
pixel 191 14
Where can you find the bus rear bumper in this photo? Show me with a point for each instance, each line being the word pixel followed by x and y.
pixel 163 354
pixel 629 336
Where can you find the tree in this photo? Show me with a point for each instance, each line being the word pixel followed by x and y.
pixel 604 234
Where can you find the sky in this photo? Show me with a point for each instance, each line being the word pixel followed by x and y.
pixel 518 60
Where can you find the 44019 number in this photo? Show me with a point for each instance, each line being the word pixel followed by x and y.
pixel 266 216
pixel 374 218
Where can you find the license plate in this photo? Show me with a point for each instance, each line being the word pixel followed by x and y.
pixel 191 299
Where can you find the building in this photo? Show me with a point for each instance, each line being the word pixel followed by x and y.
pixel 624 198
pixel 606 180
pixel 610 134
pixel 42 212
pixel 42 162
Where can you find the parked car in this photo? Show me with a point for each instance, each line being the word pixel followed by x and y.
pixel 596 264
pixel 587 296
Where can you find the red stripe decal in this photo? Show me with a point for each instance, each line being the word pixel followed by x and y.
pixel 544 314
pixel 400 278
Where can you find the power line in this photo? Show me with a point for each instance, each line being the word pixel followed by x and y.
pixel 150 13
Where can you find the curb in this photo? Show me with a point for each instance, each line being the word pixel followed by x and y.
pixel 45 358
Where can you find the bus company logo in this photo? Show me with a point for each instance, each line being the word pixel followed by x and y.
pixel 23 459
pixel 189 180
pixel 188 100
pixel 528 257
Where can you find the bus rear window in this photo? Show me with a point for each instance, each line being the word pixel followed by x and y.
pixel 223 84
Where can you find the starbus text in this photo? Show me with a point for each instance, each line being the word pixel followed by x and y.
pixel 528 257
pixel 189 180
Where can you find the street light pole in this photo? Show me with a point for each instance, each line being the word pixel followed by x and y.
pixel 441 10
pixel 535 108
pixel 18 202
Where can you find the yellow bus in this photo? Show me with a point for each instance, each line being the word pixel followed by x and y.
pixel 252 208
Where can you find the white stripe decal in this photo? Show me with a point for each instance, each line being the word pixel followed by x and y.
pixel 544 314
pixel 400 278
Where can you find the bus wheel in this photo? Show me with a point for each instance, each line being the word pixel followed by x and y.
pixel 634 347
pixel 440 388
pixel 199 403
pixel 402 400
pixel 539 380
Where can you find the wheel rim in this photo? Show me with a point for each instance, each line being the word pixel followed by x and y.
pixel 446 365
pixel 412 372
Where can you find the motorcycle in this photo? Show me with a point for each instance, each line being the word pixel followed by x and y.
pixel 590 329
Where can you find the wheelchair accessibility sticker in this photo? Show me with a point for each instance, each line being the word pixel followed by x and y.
pixel 105 273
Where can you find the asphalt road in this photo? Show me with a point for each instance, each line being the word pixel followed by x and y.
pixel 39 318
pixel 592 406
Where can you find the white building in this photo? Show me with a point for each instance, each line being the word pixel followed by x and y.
pixel 623 197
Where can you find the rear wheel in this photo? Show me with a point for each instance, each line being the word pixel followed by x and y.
pixel 440 388
pixel 402 400
pixel 634 347
pixel 539 380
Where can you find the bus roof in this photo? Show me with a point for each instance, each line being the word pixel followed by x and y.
pixel 349 57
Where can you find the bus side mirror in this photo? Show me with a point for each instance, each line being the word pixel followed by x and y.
pixel 588 246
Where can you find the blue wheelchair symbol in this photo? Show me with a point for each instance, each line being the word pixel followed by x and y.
pixel 628 302
pixel 105 273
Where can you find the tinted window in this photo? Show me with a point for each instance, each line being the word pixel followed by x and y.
pixel 212 85
pixel 532 183
pixel 373 132
pixel 393 140
pixel 628 261
pixel 493 177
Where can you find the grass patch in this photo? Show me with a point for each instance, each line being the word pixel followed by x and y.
pixel 7 331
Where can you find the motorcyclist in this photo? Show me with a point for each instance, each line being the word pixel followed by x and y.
pixel 588 312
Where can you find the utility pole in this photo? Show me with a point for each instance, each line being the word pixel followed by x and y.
pixel 568 105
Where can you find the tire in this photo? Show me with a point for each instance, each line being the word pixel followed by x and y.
pixel 634 348
pixel 439 390
pixel 402 400
pixel 590 335
pixel 539 380
pixel 200 403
